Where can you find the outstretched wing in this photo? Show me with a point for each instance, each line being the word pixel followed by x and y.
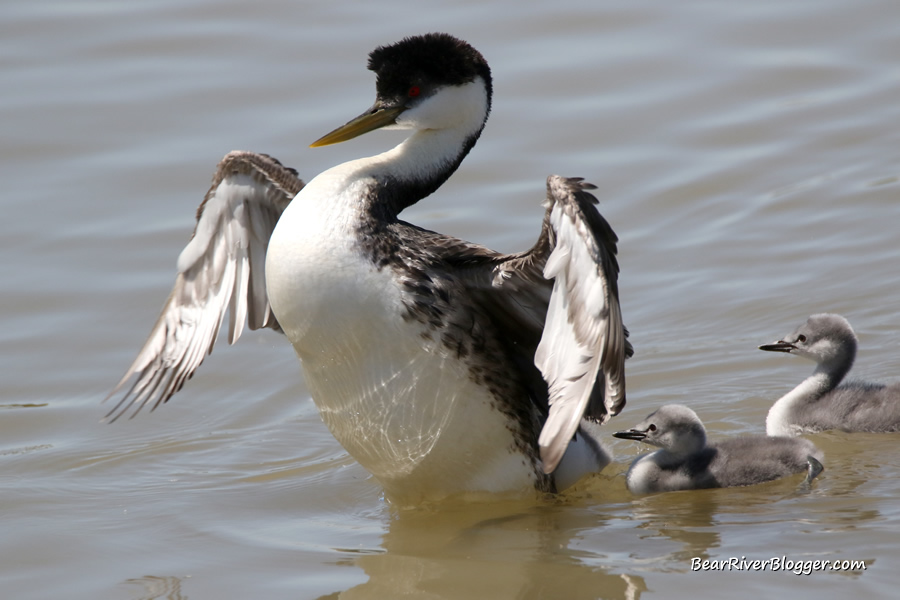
pixel 222 269
pixel 584 344
pixel 555 307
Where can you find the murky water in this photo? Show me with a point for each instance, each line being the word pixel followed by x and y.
pixel 747 155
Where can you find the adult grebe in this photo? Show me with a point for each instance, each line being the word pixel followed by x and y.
pixel 440 365
pixel 821 401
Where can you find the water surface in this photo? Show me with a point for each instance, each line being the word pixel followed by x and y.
pixel 747 155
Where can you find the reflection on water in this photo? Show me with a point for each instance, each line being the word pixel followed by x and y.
pixel 490 551
pixel 158 588
pixel 687 519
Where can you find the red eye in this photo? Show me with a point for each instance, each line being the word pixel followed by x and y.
pixel 414 91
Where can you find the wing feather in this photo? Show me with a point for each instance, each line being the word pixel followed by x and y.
pixel 221 270
pixel 556 308
pixel 584 342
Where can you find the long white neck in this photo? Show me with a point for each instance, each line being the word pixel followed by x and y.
pixel 385 184
pixel 421 163
pixel 446 127
pixel 778 421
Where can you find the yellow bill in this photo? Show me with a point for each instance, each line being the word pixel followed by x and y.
pixel 368 121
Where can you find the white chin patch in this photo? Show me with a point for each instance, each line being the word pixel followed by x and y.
pixel 453 107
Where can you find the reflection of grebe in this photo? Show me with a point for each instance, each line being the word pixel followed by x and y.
pixel 440 365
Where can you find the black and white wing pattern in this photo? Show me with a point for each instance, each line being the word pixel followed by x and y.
pixel 584 343
pixel 222 269
pixel 555 310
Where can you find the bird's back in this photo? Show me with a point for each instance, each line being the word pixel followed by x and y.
pixel 853 406
pixel 752 459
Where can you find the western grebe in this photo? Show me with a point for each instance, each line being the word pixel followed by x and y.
pixel 686 462
pixel 821 401
pixel 440 365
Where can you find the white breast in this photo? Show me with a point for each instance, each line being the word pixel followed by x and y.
pixel 400 404
pixel 642 476
pixel 778 421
